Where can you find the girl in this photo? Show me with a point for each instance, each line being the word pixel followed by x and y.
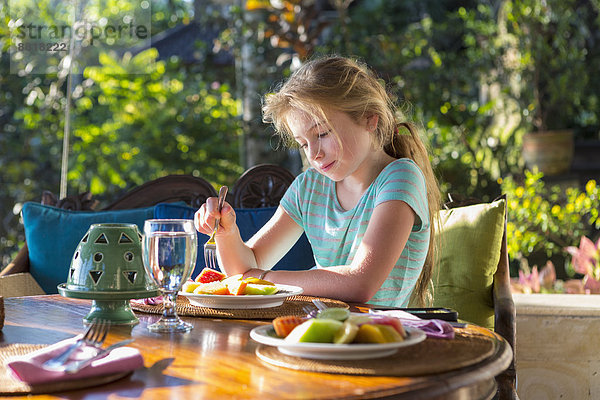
pixel 365 204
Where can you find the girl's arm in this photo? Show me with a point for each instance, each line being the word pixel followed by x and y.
pixel 262 251
pixel 274 239
pixel 386 235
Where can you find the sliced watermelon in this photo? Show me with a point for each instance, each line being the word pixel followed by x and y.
pixel 210 275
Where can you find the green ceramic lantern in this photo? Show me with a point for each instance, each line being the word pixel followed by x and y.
pixel 107 268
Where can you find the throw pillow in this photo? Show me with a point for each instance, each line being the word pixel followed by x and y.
pixel 471 238
pixel 52 235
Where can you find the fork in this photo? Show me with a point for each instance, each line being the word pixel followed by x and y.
pixel 93 336
pixel 78 365
pixel 310 312
pixel 319 304
pixel 210 247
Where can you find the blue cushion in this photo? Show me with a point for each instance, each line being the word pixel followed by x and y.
pixel 52 235
pixel 249 221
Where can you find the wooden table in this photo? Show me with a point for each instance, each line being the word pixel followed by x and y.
pixel 217 360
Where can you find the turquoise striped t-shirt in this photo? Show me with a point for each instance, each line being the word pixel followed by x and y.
pixel 335 233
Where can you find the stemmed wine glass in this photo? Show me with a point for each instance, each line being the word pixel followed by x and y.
pixel 169 253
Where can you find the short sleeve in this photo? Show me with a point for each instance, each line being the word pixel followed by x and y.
pixel 291 201
pixel 403 180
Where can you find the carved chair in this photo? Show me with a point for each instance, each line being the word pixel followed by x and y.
pixel 260 186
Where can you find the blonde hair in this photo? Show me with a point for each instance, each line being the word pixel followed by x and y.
pixel 349 86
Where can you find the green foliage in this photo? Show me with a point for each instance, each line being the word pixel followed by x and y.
pixel 132 127
pixel 554 41
pixel 116 124
pixel 548 218
pixel 166 13
pixel 28 157
pixel 444 60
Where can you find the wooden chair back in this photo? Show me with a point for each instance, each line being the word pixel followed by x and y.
pixel 260 186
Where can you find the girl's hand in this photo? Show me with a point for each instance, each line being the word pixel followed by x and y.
pixel 204 218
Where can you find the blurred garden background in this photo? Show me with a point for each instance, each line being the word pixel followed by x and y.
pixel 481 77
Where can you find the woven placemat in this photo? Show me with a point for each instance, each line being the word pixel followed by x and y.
pixel 431 356
pixel 293 305
pixel 11 386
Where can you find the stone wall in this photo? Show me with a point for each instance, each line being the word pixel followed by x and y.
pixel 557 353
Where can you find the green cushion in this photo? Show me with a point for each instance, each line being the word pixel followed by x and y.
pixel 52 235
pixel 471 238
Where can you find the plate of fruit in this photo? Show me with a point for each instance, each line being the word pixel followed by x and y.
pixel 212 288
pixel 337 334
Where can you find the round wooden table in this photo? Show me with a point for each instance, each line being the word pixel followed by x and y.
pixel 218 360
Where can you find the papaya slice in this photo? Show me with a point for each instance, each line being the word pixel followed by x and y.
pixel 285 324
pixel 216 287
pixel 237 288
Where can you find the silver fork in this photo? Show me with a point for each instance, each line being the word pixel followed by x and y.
pixel 210 247
pixel 319 304
pixel 309 311
pixel 93 336
pixel 78 365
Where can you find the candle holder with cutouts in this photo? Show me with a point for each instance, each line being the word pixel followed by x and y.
pixel 107 268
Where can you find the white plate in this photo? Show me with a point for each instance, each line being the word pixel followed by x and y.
pixel 245 301
pixel 265 334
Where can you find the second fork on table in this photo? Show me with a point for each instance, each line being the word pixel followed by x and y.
pixel 94 336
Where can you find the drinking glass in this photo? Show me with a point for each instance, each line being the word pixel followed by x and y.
pixel 169 251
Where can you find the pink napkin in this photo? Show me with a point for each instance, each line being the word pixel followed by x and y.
pixel 28 368
pixel 150 301
pixel 434 328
